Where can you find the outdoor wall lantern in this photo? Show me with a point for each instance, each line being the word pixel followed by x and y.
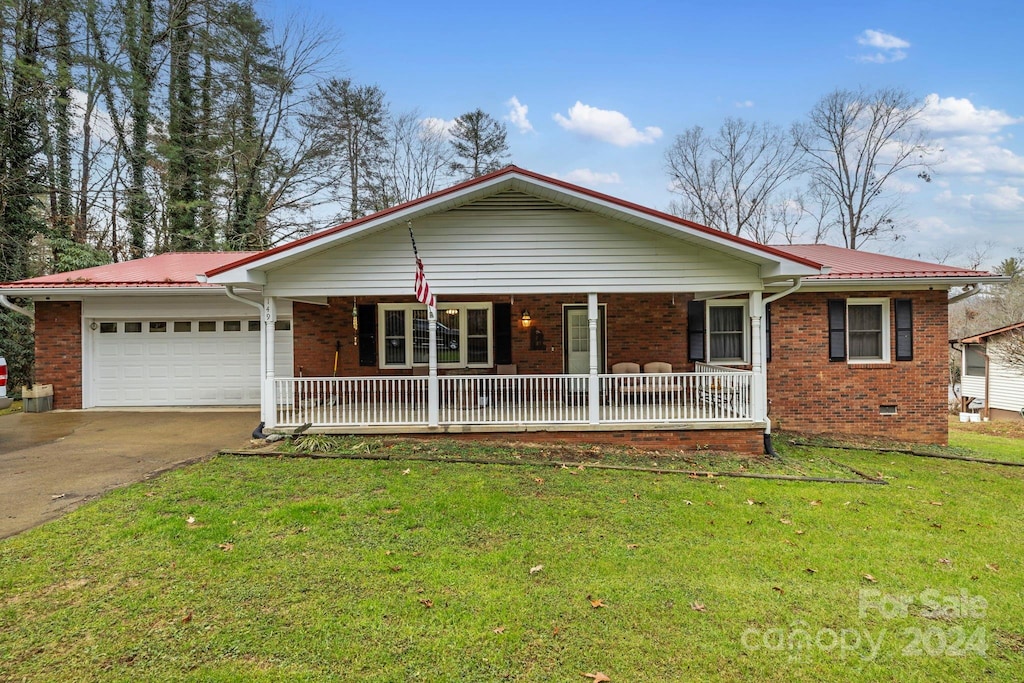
pixel 526 319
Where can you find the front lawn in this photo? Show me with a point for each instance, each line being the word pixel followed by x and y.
pixel 282 568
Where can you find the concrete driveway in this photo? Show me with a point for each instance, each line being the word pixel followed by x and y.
pixel 52 462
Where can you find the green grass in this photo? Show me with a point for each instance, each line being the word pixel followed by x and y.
pixel 300 569
pixel 15 407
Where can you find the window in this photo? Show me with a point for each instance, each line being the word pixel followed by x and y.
pixel 232 325
pixel 133 328
pixel 974 361
pixel 867 329
pixel 281 325
pixel 254 325
pixel 108 328
pixel 727 332
pixel 207 325
pixel 464 335
pixel 157 327
pixel 182 325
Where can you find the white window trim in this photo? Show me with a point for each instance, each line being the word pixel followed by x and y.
pixel 886 334
pixel 729 303
pixel 463 334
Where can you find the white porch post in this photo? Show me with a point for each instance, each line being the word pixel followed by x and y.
pixel 269 400
pixel 758 345
pixel 595 386
pixel 433 387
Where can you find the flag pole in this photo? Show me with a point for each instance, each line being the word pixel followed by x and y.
pixel 424 296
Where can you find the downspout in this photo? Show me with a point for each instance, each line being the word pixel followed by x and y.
pixel 769 449
pixel 968 292
pixel 230 291
pixel 7 303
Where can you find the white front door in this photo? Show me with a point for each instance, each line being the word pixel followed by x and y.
pixel 577 340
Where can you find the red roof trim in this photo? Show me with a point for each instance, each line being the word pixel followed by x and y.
pixel 510 170
pixel 991 333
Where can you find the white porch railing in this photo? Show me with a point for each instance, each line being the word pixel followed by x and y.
pixel 513 399
pixel 714 394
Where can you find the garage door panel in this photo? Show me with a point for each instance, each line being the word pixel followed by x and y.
pixel 184 367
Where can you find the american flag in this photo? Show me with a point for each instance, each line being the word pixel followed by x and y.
pixel 423 294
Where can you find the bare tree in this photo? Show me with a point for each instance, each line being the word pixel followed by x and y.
pixel 416 160
pixel 728 181
pixel 855 143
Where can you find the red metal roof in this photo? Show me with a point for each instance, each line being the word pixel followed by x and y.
pixel 163 270
pixel 510 170
pixel 978 338
pixel 852 264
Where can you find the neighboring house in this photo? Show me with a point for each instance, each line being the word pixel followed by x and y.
pixel 987 375
pixel 551 300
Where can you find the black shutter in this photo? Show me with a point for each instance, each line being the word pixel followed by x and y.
pixel 368 335
pixel 695 330
pixel 904 329
pixel 837 330
pixel 768 331
pixel 502 334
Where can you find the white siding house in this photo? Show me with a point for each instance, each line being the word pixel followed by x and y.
pixel 987 376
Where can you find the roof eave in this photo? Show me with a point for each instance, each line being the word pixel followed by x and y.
pixel 826 283
pixel 129 290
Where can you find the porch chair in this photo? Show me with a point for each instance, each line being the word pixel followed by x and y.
pixel 664 389
pixel 625 388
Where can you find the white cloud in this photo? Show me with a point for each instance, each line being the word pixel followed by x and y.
pixel 1000 199
pixel 889 47
pixel 607 125
pixel 517 115
pixel 881 40
pixel 584 176
pixel 1003 198
pixel 958 115
pixel 435 125
pixel 745 104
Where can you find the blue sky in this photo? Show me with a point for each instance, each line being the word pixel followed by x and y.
pixel 606 87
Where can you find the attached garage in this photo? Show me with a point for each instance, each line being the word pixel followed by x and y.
pixel 192 351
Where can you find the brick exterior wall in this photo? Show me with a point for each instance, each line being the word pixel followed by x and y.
pixel 59 350
pixel 652 326
pixel 743 441
pixel 809 394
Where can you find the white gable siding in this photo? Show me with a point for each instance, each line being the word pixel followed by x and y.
pixel 515 243
pixel 1006 383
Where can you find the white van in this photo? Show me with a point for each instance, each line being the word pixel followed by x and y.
pixel 4 401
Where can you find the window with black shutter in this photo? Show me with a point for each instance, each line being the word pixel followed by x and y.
pixel 695 325
pixel 904 329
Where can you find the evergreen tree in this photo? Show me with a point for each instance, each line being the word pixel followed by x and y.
pixel 479 143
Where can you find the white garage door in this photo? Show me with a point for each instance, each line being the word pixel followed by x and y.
pixel 181 362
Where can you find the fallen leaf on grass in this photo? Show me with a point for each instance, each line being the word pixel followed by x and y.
pixel 190 521
pixel 945 560
pixel 778 590
pixel 406 471
pixel 934 502
pixel 598 677
pixel 687 502
pixel 534 570
pixel 815 503
pixel 868 577
pixel 226 547
pixel 992 567
pixel 632 546
pixel 698 606
pixel 427 602
pixel 596 604
pixel 539 480
pixel 799 532
pixel 396 568
pixel 809 570
pixel 187 618
pixel 785 521
pixel 499 630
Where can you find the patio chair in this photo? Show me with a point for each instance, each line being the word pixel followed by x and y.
pixel 660 389
pixel 625 388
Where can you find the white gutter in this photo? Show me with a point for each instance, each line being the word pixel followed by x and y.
pixel 7 303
